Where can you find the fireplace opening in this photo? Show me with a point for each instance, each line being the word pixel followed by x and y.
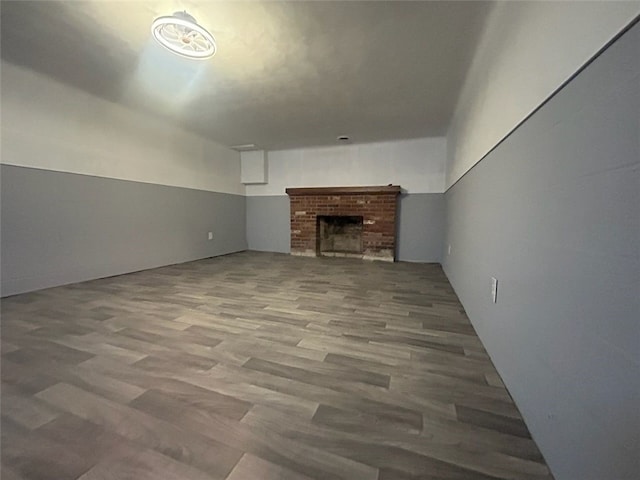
pixel 339 235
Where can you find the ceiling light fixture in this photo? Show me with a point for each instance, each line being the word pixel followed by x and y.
pixel 181 34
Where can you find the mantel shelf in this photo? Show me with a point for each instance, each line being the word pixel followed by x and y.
pixel 368 190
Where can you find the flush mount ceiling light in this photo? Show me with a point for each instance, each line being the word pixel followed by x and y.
pixel 181 34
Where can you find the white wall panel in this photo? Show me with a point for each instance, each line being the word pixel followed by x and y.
pixel 416 165
pixel 51 126
pixel 527 50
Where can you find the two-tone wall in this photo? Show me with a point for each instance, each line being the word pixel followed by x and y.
pixel 91 189
pixel 418 166
pixel 553 212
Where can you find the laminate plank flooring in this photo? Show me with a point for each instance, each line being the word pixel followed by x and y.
pixel 256 366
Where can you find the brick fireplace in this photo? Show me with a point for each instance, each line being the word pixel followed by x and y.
pixel 344 221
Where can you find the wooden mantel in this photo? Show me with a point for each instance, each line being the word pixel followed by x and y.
pixel 369 190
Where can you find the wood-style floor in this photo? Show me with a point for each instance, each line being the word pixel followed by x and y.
pixel 256 366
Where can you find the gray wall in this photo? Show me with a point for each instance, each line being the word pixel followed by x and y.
pixel 268 223
pixel 60 228
pixel 420 225
pixel 554 213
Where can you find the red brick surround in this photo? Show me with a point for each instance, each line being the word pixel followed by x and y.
pixel 376 204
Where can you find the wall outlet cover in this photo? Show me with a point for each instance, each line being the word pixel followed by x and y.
pixel 210 236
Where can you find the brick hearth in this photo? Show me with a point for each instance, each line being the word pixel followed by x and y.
pixel 376 204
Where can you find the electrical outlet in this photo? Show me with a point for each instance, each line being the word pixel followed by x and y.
pixel 449 250
pixel 210 236
pixel 494 289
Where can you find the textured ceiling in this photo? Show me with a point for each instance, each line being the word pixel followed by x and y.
pixel 286 74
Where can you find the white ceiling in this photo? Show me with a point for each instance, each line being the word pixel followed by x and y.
pixel 286 74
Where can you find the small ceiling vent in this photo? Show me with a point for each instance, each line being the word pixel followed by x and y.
pixel 181 34
pixel 246 146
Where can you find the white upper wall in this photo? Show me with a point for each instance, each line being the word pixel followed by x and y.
pixel 52 126
pixel 416 165
pixel 527 50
